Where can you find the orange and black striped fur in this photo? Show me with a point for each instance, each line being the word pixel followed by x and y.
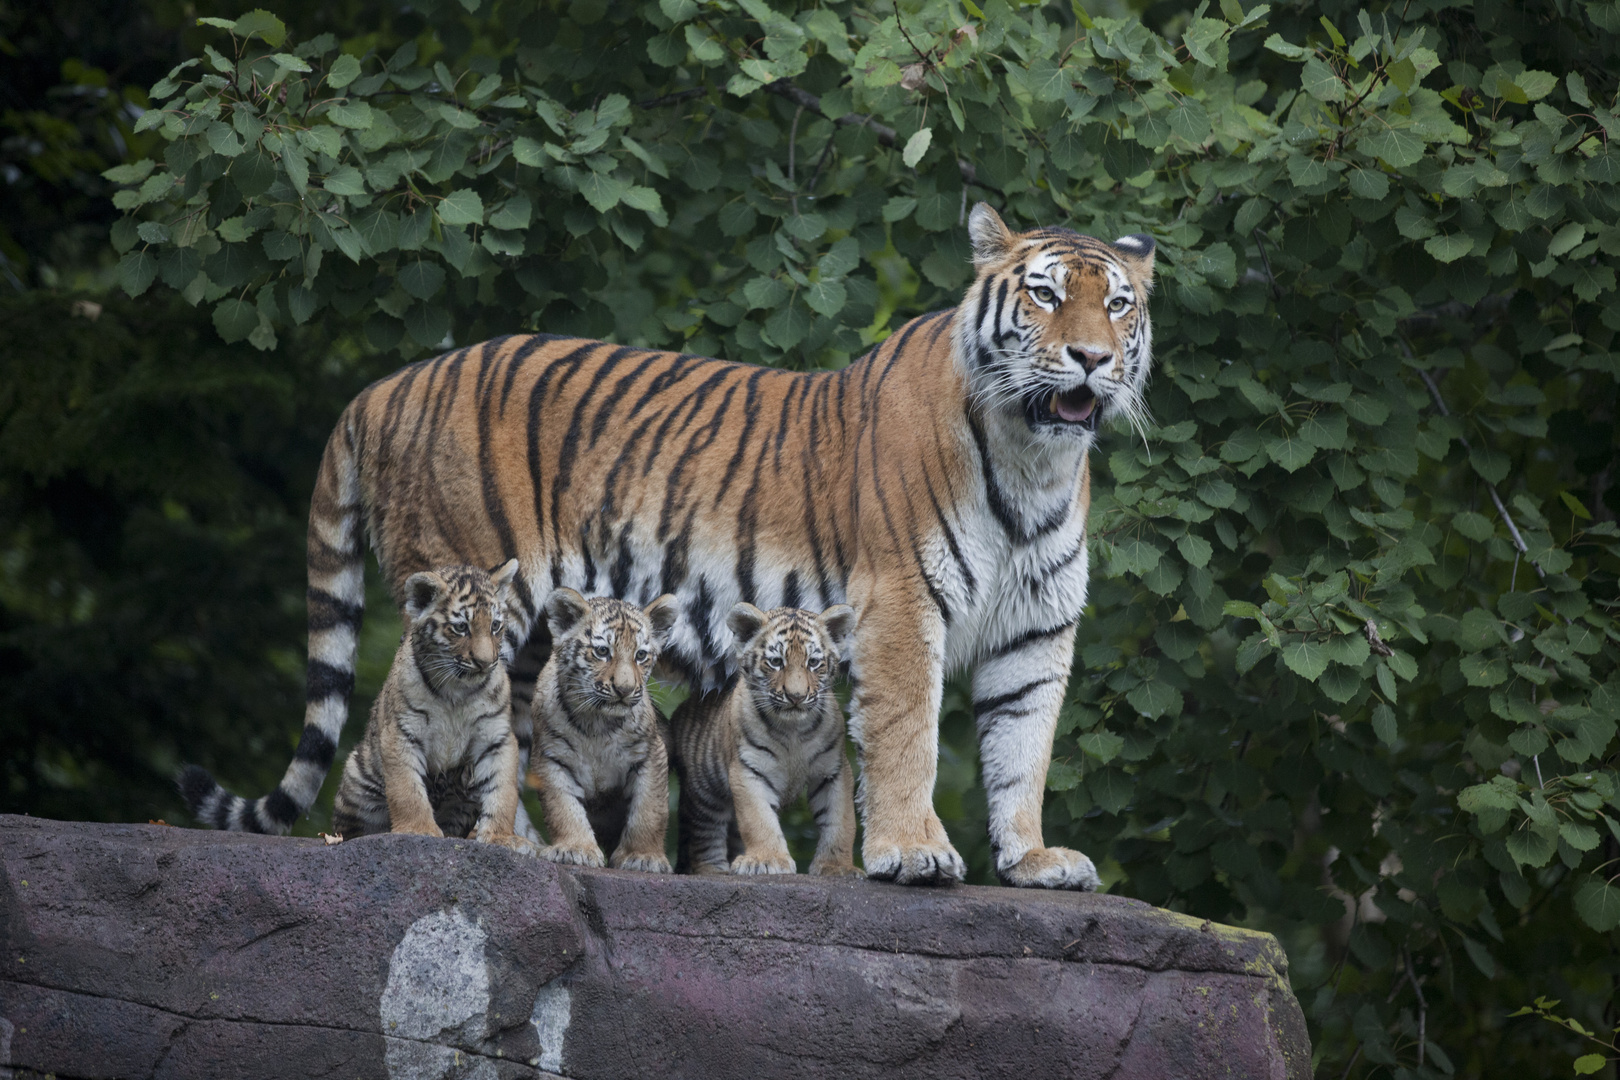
pixel 775 733
pixel 439 757
pixel 938 486
pixel 601 757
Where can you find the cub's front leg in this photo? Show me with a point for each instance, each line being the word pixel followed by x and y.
pixel 642 846
pixel 832 801
pixel 572 840
pixel 755 804
pixel 1016 697
pixel 405 781
pixel 496 775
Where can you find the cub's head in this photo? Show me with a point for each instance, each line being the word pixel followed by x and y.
pixel 787 657
pixel 455 615
pixel 1055 329
pixel 604 649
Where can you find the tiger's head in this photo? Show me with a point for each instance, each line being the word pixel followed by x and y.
pixel 604 649
pixel 455 618
pixel 1057 332
pixel 787 657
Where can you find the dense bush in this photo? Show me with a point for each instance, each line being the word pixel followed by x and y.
pixel 1350 672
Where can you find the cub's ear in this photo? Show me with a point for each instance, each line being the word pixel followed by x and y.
pixel 1137 250
pixel 503 575
pixel 662 613
pixel 745 620
pixel 422 592
pixel 565 609
pixel 989 235
pixel 839 622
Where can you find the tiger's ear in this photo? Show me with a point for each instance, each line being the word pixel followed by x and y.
pixel 839 622
pixel 989 235
pixel 503 575
pixel 662 613
pixel 744 621
pixel 422 593
pixel 1137 250
pixel 565 609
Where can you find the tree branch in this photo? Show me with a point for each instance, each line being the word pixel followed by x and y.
pixel 886 135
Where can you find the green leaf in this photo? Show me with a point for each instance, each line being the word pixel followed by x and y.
pixel 1447 249
pixel 1155 699
pixel 917 146
pixel 825 297
pixel 1395 147
pixel 351 114
pixel 1384 726
pixel 421 279
pixel 1306 659
pixel 466 208
pixel 344 180
pixel 427 324
pixel 1102 745
pixel 1319 81
pixel 1598 904
pixel 136 271
pixel 345 69
pixel 601 190
pixel 1111 789
pixel 1587 1064
pixel 514 213
pixel 1490 464
pixel 235 319
pixel 1527 847
pixel 258 21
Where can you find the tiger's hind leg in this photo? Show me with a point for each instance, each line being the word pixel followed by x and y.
pixel 1016 698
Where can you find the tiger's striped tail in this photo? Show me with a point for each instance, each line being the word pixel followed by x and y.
pixel 336 553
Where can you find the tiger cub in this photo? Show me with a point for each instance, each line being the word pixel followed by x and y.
pixel 600 756
pixel 439 757
pixel 777 730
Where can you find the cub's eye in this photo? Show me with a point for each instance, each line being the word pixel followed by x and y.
pixel 641 656
pixel 458 629
pixel 814 663
pixel 1118 303
pixel 1043 294
pixel 602 652
pixel 774 663
pixel 495 626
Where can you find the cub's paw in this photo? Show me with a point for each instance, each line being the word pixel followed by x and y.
pixel 647 864
pixel 914 864
pixel 836 869
pixel 571 855
pixel 513 842
pixel 417 828
pixel 762 864
pixel 1052 868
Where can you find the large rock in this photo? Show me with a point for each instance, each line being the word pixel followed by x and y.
pixel 143 951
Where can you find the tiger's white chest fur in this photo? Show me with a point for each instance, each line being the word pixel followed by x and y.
pixel 447 727
pixel 1016 587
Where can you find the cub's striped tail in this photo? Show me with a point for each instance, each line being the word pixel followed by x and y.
pixel 336 602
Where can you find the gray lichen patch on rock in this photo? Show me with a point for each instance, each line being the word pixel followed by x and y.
pixel 437 992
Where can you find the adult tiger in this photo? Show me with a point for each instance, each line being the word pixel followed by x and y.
pixel 939 485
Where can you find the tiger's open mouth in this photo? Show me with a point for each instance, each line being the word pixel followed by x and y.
pixel 1064 408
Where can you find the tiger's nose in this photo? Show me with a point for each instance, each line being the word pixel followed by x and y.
pixel 1090 359
pixel 798 699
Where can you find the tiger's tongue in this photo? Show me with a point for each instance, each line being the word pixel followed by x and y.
pixel 1074 414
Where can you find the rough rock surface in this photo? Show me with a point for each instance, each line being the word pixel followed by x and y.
pixel 143 951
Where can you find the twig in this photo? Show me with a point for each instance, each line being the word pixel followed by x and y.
pixel 1276 293
pixel 793 147
pixel 1496 498
pixel 672 99
pixel 886 135
pixel 1423 1004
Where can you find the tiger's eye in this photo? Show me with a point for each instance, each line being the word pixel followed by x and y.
pixel 1118 303
pixel 602 652
pixel 458 629
pixel 641 656
pixel 1043 294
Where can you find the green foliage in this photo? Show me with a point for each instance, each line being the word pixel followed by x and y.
pixel 1350 674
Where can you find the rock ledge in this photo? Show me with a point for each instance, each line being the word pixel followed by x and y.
pixel 141 951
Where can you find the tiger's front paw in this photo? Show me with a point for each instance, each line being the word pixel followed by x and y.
pixel 647 864
pixel 1052 868
pixel 914 864
pixel 763 864
pixel 417 828
pixel 836 869
pixel 574 854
